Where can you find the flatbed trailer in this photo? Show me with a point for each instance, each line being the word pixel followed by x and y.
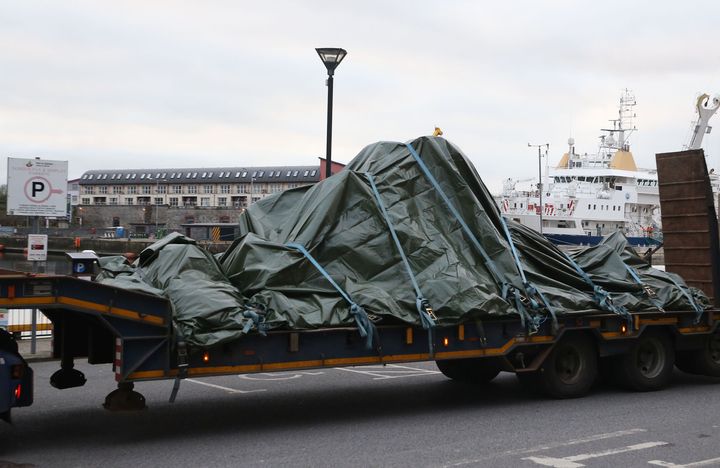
pixel 134 332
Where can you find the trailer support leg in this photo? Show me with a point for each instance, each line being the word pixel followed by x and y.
pixel 67 376
pixel 124 398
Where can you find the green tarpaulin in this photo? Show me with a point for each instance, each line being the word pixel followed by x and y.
pixel 462 257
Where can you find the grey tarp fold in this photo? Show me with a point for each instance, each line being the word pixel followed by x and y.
pixel 464 267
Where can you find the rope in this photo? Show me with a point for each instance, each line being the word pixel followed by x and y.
pixel 365 326
pixel 509 291
pixel 427 317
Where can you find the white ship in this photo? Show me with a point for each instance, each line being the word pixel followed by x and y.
pixel 586 196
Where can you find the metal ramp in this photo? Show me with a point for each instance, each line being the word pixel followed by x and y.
pixel 690 225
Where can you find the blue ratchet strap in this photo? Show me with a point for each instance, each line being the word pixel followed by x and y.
pixel 529 287
pixel 255 319
pixel 688 296
pixel 646 289
pixel 427 316
pixel 602 297
pixel 507 288
pixel 365 326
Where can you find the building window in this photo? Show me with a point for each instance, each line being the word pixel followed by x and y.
pixel 99 200
pixel 222 201
pixel 146 190
pixel 204 201
pixel 224 189
pixel 128 201
pixel 158 200
pixel 173 201
pixel 207 189
pixel 312 174
pixel 192 188
pixel 103 189
pixel 113 200
pixel 85 201
pixel 305 174
pixel 244 174
pixel 132 190
pixel 162 189
pixel 117 190
pixel 177 188
pixel 88 190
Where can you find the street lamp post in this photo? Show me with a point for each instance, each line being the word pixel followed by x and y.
pixel 331 57
pixel 540 182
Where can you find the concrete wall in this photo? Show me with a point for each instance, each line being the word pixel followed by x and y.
pixel 170 218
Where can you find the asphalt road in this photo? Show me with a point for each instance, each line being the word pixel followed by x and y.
pixel 363 416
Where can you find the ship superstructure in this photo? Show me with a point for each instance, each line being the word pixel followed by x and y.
pixel 589 195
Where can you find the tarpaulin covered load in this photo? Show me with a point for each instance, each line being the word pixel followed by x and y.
pixel 407 233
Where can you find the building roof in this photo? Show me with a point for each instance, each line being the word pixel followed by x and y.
pixel 200 175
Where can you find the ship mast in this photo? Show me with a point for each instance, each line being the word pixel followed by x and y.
pixel 618 136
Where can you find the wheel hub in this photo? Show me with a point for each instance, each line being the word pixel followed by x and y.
pixel 569 366
pixel 650 358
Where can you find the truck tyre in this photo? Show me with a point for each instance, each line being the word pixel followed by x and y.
pixel 474 371
pixel 705 361
pixel 571 368
pixel 649 363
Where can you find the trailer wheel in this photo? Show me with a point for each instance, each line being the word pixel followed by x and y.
pixel 475 371
pixel 649 363
pixel 571 368
pixel 705 361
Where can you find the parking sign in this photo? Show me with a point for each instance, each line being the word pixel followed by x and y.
pixel 37 187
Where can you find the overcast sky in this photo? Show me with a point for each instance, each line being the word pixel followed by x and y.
pixel 151 84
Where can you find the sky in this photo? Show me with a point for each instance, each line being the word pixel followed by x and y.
pixel 152 84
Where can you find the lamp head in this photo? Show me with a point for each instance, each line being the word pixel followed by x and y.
pixel 331 57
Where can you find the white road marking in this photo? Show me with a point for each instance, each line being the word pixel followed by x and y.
pixel 540 448
pixel 571 462
pixel 227 389
pixel 277 376
pixel 709 462
pixel 582 440
pixel 389 371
